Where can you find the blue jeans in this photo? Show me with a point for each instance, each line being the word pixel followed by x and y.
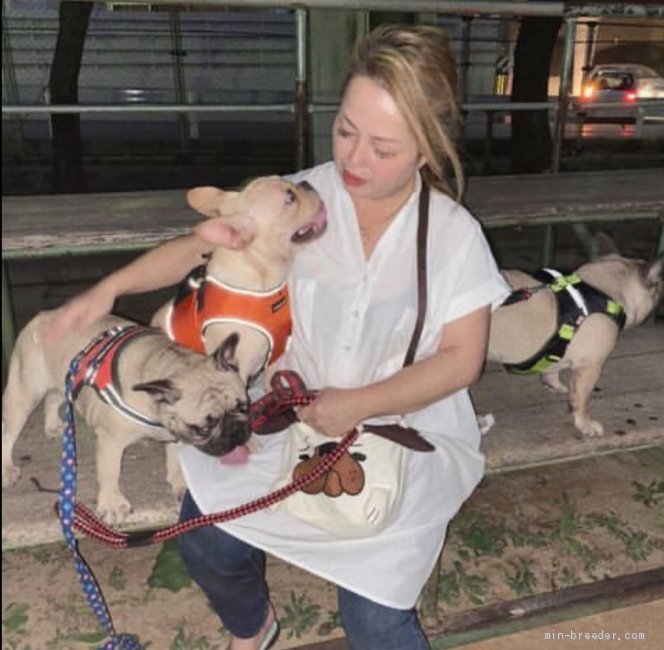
pixel 232 575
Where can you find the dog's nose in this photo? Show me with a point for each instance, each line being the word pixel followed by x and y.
pixel 306 185
pixel 235 431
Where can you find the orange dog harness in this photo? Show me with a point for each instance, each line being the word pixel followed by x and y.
pixel 203 301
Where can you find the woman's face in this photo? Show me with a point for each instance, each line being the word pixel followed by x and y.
pixel 374 150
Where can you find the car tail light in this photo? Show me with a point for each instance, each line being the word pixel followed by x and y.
pixel 630 96
pixel 588 92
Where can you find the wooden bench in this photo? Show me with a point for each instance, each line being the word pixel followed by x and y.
pixel 60 225
pixel 532 425
pixel 532 428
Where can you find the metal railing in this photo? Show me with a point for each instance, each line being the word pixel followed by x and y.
pixel 301 108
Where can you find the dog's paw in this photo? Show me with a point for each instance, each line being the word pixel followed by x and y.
pixel 114 509
pixel 176 480
pixel 485 423
pixel 55 416
pixel 174 474
pixel 10 474
pixel 588 427
pixel 554 383
pixel 253 444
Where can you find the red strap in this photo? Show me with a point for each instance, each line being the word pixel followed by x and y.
pixel 288 391
pixel 274 412
pixel 88 523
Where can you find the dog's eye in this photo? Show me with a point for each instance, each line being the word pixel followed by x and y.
pixel 291 197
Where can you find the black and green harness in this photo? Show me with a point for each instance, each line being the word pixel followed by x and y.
pixel 575 300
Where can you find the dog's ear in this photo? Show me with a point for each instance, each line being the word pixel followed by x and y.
pixel 235 233
pixel 652 273
pixel 603 244
pixel 211 201
pixel 224 355
pixel 161 390
pixel 227 225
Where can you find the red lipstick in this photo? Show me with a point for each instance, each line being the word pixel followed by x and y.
pixel 352 181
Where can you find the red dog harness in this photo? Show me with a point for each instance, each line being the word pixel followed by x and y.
pixel 203 301
pixel 98 369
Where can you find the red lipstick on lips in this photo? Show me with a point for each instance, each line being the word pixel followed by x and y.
pixel 352 181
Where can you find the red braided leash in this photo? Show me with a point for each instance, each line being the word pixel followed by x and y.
pixel 275 409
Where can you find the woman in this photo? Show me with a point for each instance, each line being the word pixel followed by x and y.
pixel 354 295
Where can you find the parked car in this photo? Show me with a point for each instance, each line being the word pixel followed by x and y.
pixel 620 92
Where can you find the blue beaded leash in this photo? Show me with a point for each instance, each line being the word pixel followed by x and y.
pixel 66 512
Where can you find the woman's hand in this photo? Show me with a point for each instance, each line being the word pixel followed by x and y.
pixel 155 269
pixel 77 314
pixel 333 413
pixel 456 364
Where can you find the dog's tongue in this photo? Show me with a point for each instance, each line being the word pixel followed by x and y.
pixel 238 456
pixel 315 227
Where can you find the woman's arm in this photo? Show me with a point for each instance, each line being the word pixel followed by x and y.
pixel 456 364
pixel 159 267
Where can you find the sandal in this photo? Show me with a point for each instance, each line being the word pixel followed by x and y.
pixel 271 636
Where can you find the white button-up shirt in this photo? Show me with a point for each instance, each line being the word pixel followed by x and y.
pixel 352 322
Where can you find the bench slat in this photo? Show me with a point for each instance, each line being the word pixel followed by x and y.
pixel 533 426
pixel 577 196
pixel 44 225
pixel 55 224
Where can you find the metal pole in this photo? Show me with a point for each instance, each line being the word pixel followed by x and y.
pixel 465 57
pixel 468 7
pixel 9 73
pixel 8 324
pixel 645 9
pixel 301 92
pixel 589 54
pixel 488 141
pixel 177 53
pixel 48 109
pixel 464 66
pixel 88 109
pixel 563 93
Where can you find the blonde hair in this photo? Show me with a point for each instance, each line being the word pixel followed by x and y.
pixel 416 66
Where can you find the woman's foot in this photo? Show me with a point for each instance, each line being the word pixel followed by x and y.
pixel 265 638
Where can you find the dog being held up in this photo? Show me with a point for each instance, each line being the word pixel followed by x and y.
pixel 554 322
pixel 149 386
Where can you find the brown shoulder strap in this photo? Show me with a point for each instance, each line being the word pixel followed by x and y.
pixel 422 231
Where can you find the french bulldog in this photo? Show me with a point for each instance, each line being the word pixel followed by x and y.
pixel 626 290
pixel 256 233
pixel 133 384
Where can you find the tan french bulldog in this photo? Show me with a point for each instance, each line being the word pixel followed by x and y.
pixel 257 232
pixel 615 291
pixel 134 384
pixel 242 288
